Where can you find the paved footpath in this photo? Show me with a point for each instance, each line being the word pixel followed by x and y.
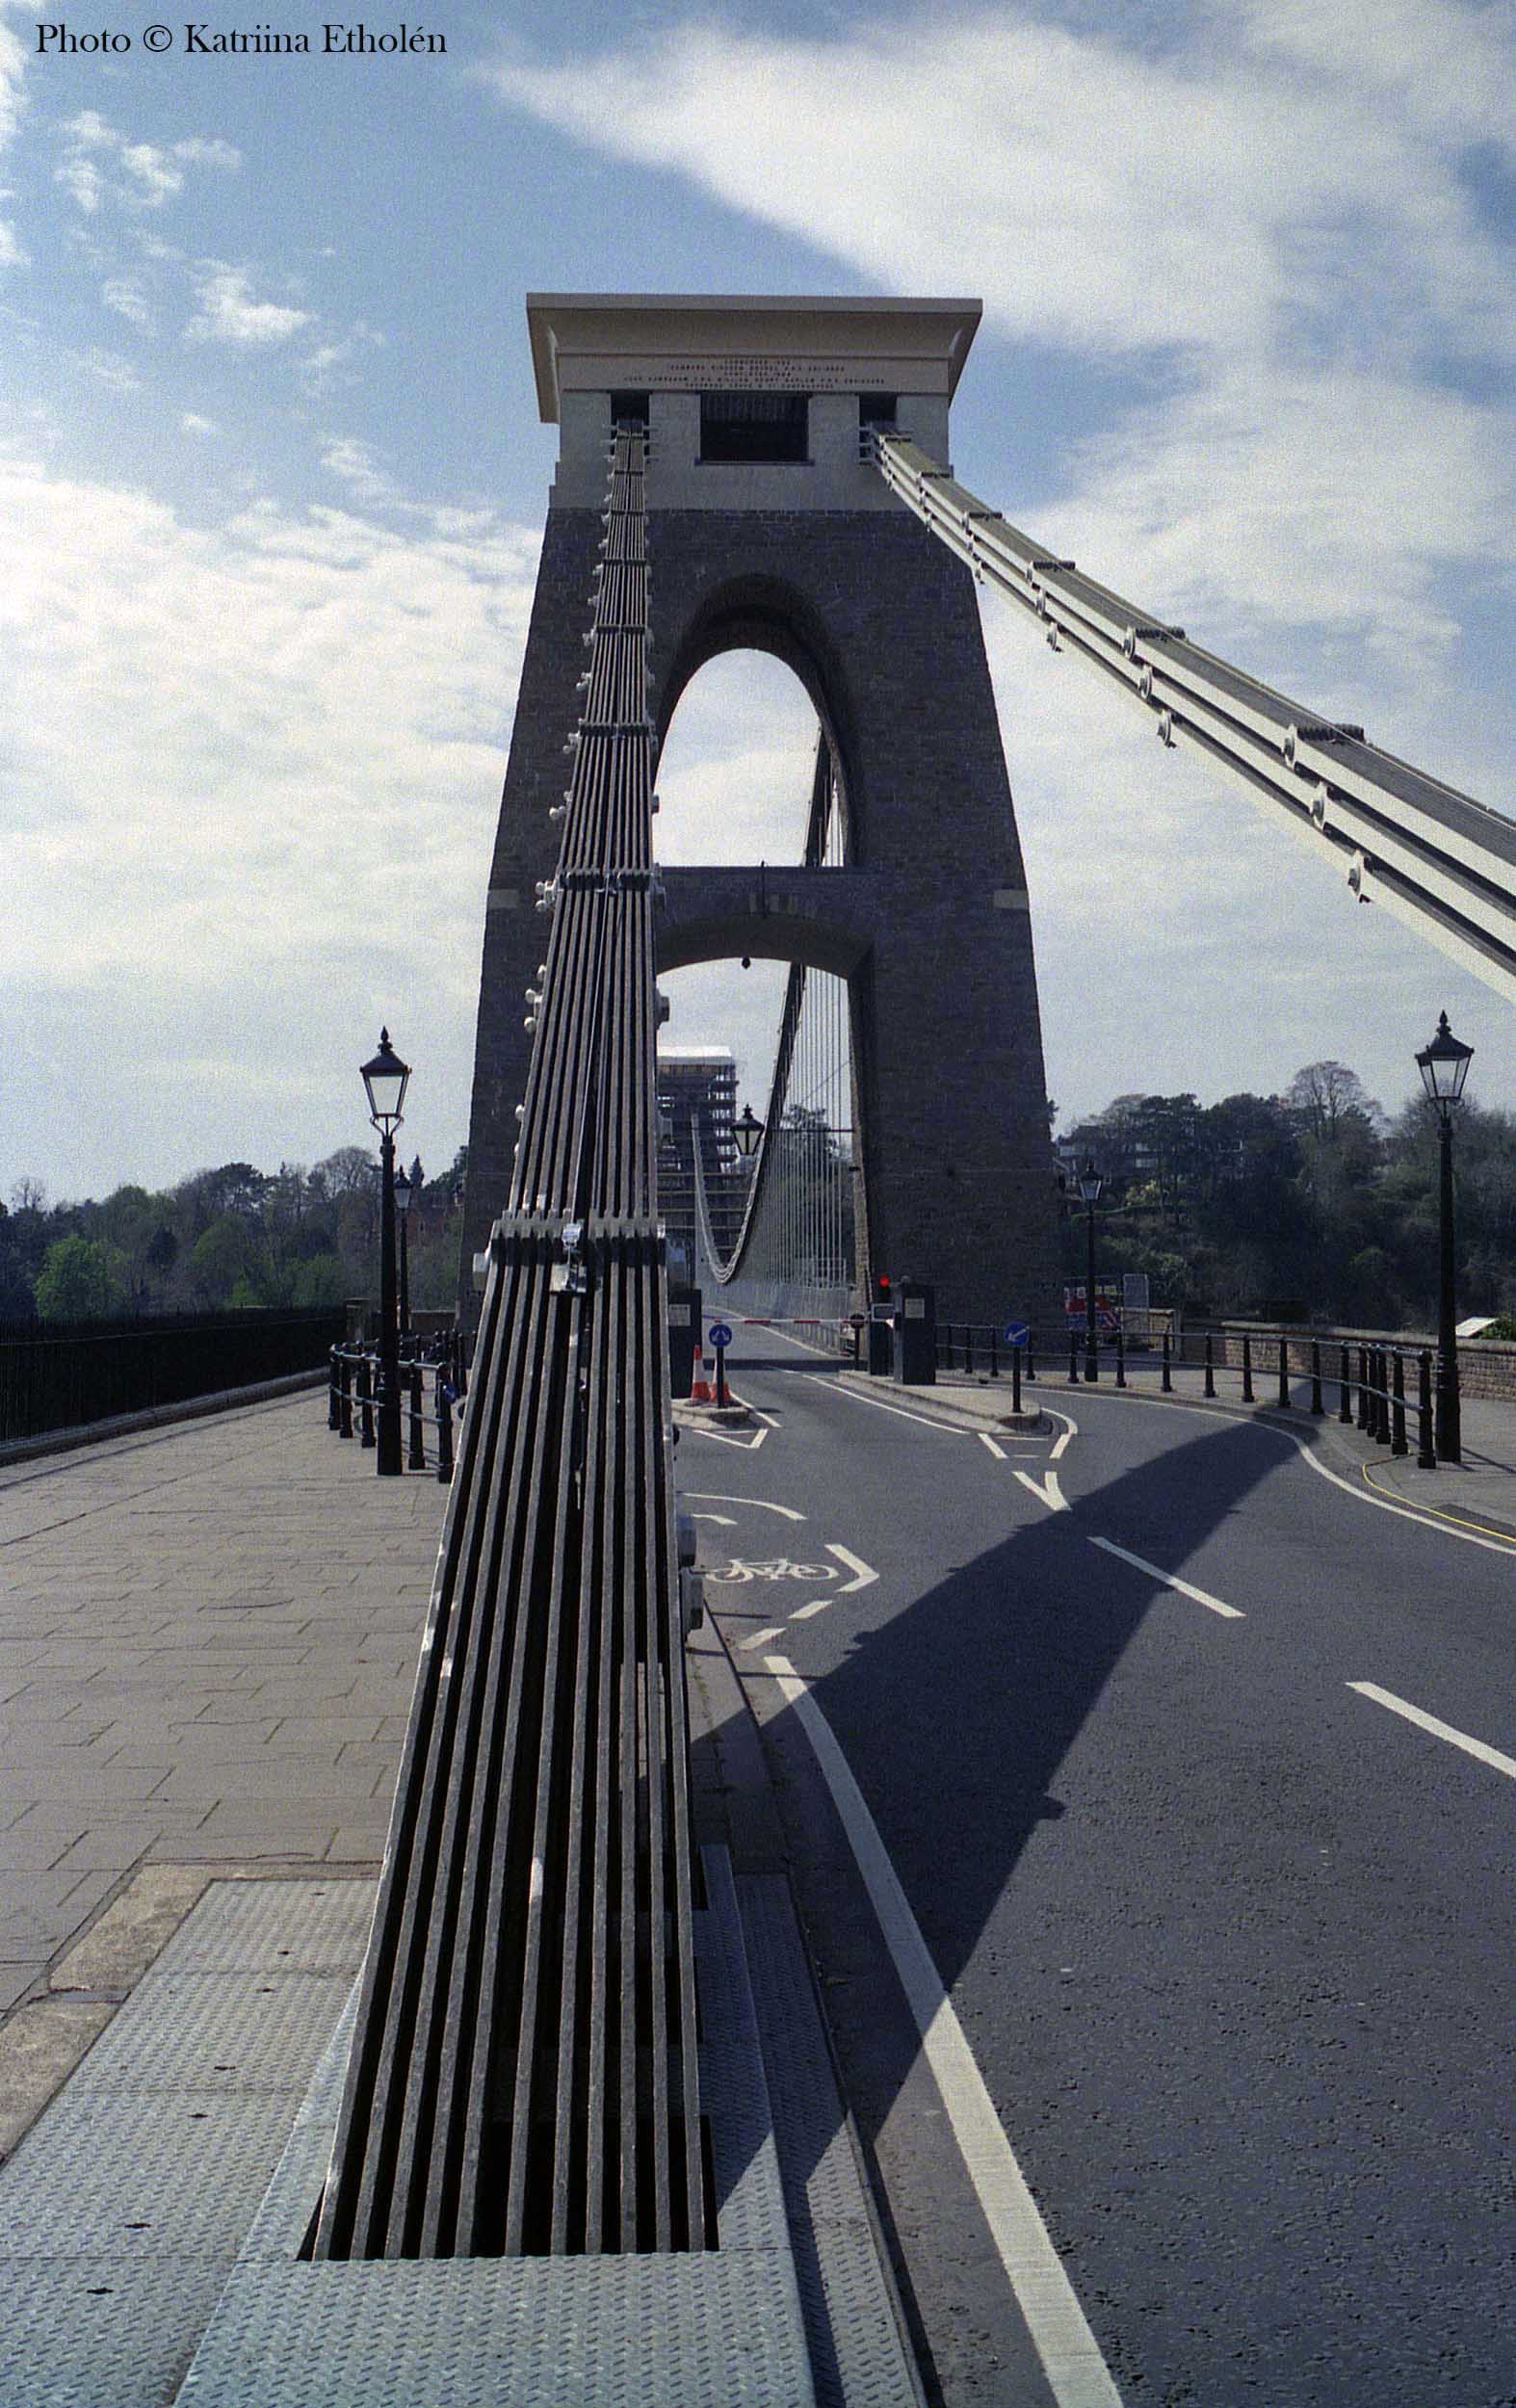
pixel 208 1639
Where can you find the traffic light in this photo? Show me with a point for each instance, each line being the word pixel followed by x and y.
pixel 884 1289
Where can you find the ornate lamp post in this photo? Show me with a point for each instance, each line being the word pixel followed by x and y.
pixel 385 1078
pixel 1443 1066
pixel 1090 1184
pixel 403 1192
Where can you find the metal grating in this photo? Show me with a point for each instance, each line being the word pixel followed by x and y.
pixel 524 2076
pixel 859 2356
pixel 220 2033
pixel 273 1927
pixel 719 2329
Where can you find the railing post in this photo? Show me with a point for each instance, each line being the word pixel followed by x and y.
pixel 345 1399
pixel 1381 1429
pixel 994 1353
pixel 365 1402
pixel 1284 1374
pixel 1425 1449
pixel 968 1345
pixel 333 1409
pixel 1031 1365
pixel 1398 1445
pixel 1169 1368
pixel 1210 1388
pixel 1121 1358
pixel 1073 1358
pixel 417 1461
pixel 1247 1369
pixel 1015 1379
pixel 444 1424
pixel 1318 1406
pixel 1344 1386
pixel 1363 1388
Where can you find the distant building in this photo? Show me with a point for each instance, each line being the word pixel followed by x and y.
pixel 698 1104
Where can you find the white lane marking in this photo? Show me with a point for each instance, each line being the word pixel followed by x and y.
pixel 772 1419
pixel 727 1521
pixel 724 1437
pixel 761 1505
pixel 1046 1491
pixel 949 1429
pixel 1438 1730
pixel 985 1440
pixel 864 1574
pixel 817 1605
pixel 1070 1430
pixel 761 1639
pixel 1068 2349
pixel 1171 1580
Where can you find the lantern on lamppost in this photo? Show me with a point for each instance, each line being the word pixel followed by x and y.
pixel 1443 1066
pixel 747 1130
pixel 385 1078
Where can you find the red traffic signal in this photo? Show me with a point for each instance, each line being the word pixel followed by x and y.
pixel 885 1286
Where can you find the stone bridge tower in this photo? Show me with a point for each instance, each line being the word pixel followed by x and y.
pixel 767 530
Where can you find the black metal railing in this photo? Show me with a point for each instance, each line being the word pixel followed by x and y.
pixel 56 1376
pixel 1385 1388
pixel 433 1381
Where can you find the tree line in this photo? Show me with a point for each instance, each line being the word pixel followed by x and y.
pixel 224 1240
pixel 1313 1205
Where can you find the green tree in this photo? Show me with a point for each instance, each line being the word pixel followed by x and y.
pixel 79 1281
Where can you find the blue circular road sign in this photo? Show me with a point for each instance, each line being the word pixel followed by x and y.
pixel 721 1335
pixel 1017 1333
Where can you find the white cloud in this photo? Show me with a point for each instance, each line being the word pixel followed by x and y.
pixel 354 462
pixel 154 178
pixel 109 368
pixel 82 179
pixel 228 314
pixel 213 153
pixel 191 422
pixel 273 821
pixel 129 301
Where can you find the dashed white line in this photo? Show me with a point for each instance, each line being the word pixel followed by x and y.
pixel 1171 1579
pixel 762 1638
pixel 1438 1730
pixel 817 1605
pixel 985 1440
pixel 1077 2374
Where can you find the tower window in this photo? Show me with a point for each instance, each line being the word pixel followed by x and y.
pixel 625 405
pixel 877 409
pixel 754 426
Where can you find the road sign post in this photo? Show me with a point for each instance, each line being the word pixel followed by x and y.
pixel 721 1340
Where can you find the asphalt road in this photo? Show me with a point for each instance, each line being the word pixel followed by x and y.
pixel 1226 1935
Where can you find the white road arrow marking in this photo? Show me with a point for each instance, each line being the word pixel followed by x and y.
pixel 985 1440
pixel 1185 1588
pixel 864 1573
pixel 728 1521
pixel 1046 1491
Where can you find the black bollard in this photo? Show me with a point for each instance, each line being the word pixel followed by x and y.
pixel 1284 1374
pixel 365 1402
pixel 1015 1379
pixel 1397 1444
pixel 333 1393
pixel 1210 1387
pixel 1247 1369
pixel 1169 1368
pixel 444 1425
pixel 1425 1449
pixel 1073 1359
pixel 1363 1388
pixel 1383 1431
pixel 417 1461
pixel 994 1357
pixel 1317 1407
pixel 1121 1359
pixel 1031 1367
pixel 1344 1387
pixel 345 1399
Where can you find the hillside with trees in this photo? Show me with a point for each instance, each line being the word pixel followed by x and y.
pixel 1309 1205
pixel 224 1239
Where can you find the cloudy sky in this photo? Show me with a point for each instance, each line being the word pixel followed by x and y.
pixel 271 483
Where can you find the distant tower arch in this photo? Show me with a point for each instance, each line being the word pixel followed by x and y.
pixel 767 531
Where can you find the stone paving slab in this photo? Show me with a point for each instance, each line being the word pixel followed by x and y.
pixel 208 1642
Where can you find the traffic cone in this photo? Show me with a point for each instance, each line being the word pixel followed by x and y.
pixel 701 1391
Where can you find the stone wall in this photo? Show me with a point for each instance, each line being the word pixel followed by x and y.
pixel 1486 1366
